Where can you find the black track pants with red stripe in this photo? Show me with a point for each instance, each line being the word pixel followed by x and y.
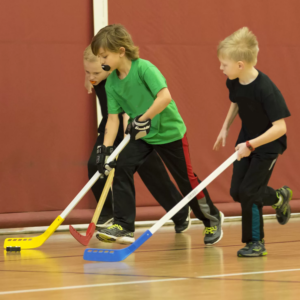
pixel 165 194
pixel 177 159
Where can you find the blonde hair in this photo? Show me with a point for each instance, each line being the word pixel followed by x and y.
pixel 89 56
pixel 111 38
pixel 242 45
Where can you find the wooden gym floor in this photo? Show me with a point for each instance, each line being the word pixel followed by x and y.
pixel 168 266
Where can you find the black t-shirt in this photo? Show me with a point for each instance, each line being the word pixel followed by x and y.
pixel 101 94
pixel 260 103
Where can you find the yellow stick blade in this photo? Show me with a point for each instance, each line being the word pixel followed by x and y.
pixel 34 242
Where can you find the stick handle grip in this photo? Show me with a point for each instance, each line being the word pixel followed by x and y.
pixel 96 176
pixel 119 149
pixel 193 193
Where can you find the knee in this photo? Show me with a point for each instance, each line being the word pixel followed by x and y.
pixel 245 195
pixel 234 193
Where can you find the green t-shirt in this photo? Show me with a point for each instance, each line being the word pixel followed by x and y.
pixel 136 93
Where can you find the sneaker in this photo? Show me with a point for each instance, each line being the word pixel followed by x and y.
pixel 115 233
pixel 180 228
pixel 283 209
pixel 253 249
pixel 214 234
pixel 104 222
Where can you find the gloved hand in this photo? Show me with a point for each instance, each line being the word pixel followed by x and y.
pixel 138 129
pixel 102 155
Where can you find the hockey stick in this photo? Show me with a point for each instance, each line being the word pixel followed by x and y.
pixel 93 254
pixel 85 239
pixel 34 242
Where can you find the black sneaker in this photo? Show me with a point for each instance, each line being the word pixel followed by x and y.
pixel 104 222
pixel 253 249
pixel 115 233
pixel 283 209
pixel 183 227
pixel 215 233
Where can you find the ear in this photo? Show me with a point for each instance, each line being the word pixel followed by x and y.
pixel 241 65
pixel 122 51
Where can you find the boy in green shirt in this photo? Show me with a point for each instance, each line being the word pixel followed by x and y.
pixel 152 172
pixel 137 87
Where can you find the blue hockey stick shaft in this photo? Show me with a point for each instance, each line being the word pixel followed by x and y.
pixel 93 254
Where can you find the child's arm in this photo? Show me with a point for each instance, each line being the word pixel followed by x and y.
pixel 233 110
pixel 160 103
pixel 111 129
pixel 275 132
pixel 125 121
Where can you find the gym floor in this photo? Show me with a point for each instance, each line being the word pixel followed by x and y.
pixel 167 266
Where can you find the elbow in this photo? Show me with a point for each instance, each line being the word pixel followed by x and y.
pixel 113 117
pixel 284 129
pixel 168 100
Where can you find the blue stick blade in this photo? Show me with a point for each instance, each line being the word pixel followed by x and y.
pixel 94 254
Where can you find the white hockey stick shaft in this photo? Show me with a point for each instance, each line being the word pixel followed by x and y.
pixel 92 181
pixel 193 193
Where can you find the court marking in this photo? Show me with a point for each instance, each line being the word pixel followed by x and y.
pixel 142 282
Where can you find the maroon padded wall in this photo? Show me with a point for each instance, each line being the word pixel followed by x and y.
pixel 48 122
pixel 180 38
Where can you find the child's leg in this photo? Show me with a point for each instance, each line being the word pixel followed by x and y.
pixel 177 159
pixel 107 211
pixel 133 155
pixel 240 169
pixel 254 194
pixel 156 178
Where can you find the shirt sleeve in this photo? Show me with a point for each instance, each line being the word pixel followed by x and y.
pixel 112 104
pixel 275 106
pixel 154 80
pixel 229 86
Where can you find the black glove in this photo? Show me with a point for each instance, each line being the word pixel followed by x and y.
pixel 102 155
pixel 138 129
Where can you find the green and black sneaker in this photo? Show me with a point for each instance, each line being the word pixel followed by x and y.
pixel 115 233
pixel 283 209
pixel 253 249
pixel 214 234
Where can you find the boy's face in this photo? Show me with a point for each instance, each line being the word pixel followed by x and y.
pixel 94 71
pixel 109 58
pixel 232 69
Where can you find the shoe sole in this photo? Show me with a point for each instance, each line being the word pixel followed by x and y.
pixel 253 255
pixel 105 238
pixel 221 235
pixel 189 224
pixel 287 206
pixel 125 240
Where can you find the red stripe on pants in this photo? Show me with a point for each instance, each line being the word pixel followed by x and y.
pixel 192 178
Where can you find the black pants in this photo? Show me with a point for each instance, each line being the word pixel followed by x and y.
pixel 154 175
pixel 176 157
pixel 249 187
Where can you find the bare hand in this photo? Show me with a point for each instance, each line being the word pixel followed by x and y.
pixel 89 87
pixel 242 151
pixel 221 140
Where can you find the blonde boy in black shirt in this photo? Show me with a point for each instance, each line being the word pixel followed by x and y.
pixel 262 138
